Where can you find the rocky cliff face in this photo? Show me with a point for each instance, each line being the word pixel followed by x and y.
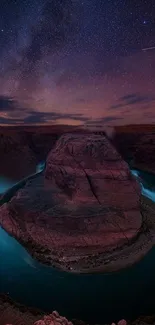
pixel 138 148
pixel 21 151
pixel 17 158
pixel 84 213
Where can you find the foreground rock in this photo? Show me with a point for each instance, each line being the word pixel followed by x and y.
pixel 84 213
pixel 12 313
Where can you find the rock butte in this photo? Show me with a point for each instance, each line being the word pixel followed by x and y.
pixel 85 212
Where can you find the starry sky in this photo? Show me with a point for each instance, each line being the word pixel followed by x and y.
pixel 77 62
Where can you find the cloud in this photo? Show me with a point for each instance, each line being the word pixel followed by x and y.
pixel 7 104
pixel 16 113
pixel 132 99
pixel 100 122
pixel 111 118
pixel 41 117
pixel 5 120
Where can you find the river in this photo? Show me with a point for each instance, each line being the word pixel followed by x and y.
pixel 94 298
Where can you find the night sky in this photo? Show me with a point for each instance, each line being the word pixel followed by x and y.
pixel 77 62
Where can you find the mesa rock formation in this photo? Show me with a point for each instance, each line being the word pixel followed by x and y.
pixel 84 212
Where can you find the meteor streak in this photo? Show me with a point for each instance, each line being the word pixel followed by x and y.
pixel 149 48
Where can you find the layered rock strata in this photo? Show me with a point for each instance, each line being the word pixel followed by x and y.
pixel 85 212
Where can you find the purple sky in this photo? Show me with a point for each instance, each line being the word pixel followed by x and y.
pixel 77 62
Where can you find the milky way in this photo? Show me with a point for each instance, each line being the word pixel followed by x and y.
pixel 77 62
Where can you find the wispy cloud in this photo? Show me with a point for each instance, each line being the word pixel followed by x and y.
pixel 12 112
pixel 7 104
pixel 133 99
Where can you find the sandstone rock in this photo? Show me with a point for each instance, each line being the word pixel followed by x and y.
pixel 84 213
pixel 62 320
pixel 52 319
pixel 122 322
pixel 55 314
pixel 48 320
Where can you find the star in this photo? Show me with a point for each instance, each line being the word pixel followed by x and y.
pixel 53 58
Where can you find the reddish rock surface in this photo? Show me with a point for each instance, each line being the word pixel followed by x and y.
pixel 15 314
pixel 84 213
